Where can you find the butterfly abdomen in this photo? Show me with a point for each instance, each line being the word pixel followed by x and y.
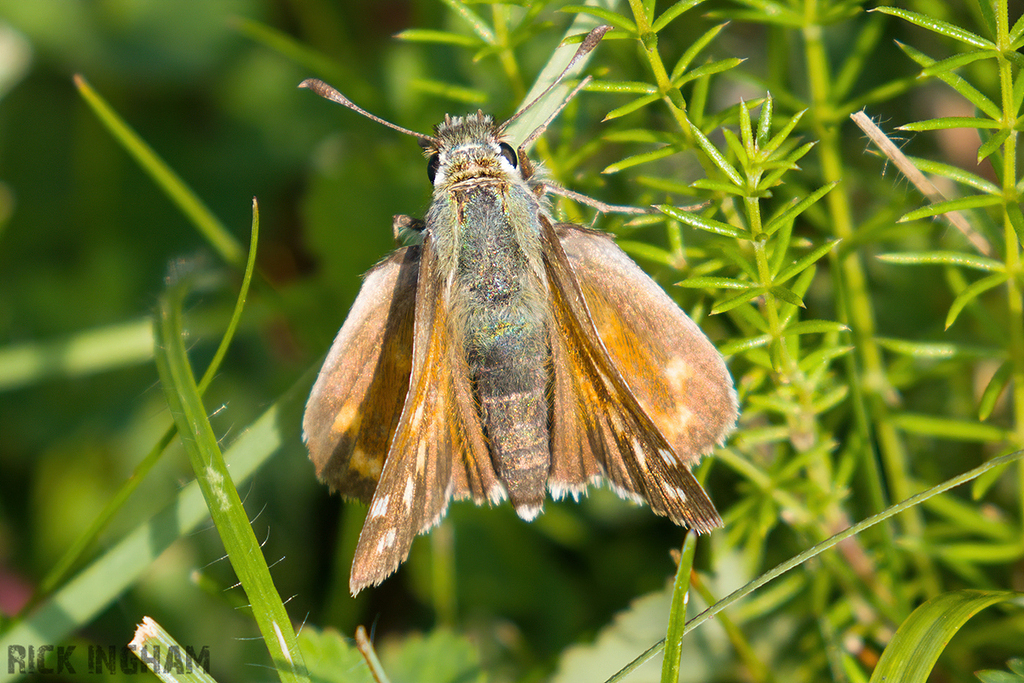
pixel 505 339
pixel 508 366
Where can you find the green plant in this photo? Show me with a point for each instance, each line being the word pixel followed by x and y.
pixel 862 381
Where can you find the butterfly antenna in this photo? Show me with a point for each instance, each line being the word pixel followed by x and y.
pixel 539 130
pixel 328 93
pixel 585 48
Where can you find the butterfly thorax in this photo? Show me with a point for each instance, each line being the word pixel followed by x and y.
pixel 484 225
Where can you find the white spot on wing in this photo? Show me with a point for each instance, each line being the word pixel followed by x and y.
pixel 407 496
pixel 421 452
pixel 638 450
pixel 675 494
pixel 667 456
pixel 387 540
pixel 380 507
pixel 677 371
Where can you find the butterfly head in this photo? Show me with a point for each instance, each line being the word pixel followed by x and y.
pixel 467 149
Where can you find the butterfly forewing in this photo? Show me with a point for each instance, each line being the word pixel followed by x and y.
pixel 438 451
pixel 354 407
pixel 671 367
pixel 597 418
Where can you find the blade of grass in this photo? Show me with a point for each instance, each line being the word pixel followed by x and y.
pixel 528 122
pixel 677 612
pixel 150 639
pixel 920 639
pixel 218 489
pixel 83 353
pixel 170 182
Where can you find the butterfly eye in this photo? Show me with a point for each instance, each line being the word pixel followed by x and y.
pixel 509 153
pixel 432 165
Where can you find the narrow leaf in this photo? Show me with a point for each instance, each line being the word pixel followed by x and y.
pixel 938 26
pixel 634 87
pixel 936 350
pixel 911 654
pixel 425 35
pixel 805 262
pixel 631 107
pixel 949 258
pixel 677 611
pixel 738 300
pixel 698 221
pixel 955 62
pixel 960 204
pixel 714 283
pixel 956 174
pixel 722 186
pixel 644 158
pixel 716 157
pixel 1000 380
pixel 708 69
pixel 735 346
pixel 815 327
pixel 948 428
pixel 218 489
pixel 970 293
pixel 993 144
pixel 787 295
pixel 948 122
pixel 798 208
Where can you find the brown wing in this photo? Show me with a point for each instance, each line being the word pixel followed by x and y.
pixel 354 406
pixel 438 451
pixel 673 369
pixel 603 427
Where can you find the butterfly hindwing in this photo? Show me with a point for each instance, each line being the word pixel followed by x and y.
pixel 438 451
pixel 600 425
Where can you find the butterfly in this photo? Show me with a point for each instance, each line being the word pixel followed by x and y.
pixel 507 356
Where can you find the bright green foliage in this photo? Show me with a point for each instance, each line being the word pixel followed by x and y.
pixel 877 351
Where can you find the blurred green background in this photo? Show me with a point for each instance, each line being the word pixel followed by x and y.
pixel 86 239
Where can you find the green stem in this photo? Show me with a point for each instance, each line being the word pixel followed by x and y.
pixel 1014 296
pixel 867 369
pixel 649 42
